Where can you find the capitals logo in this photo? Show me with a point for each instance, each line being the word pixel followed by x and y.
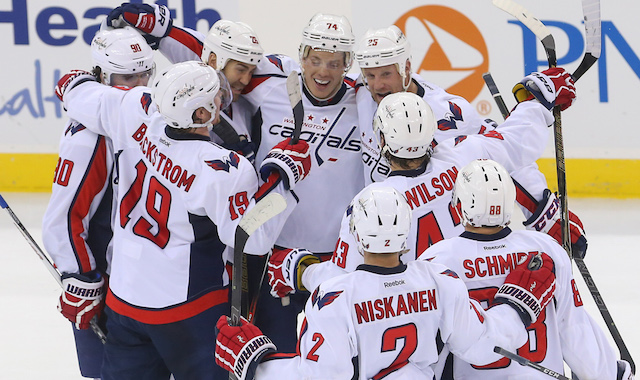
pixel 324 299
pixel 226 163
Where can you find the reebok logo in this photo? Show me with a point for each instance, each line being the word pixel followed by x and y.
pixel 446 42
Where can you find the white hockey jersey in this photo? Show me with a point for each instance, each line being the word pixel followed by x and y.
pixel 429 189
pixel 180 198
pixel 389 318
pixel 331 129
pixel 76 227
pixel 563 329
pixel 456 117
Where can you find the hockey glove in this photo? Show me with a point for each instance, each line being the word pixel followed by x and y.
pixel 624 371
pixel 546 219
pixel 285 270
pixel 292 161
pixel 529 287
pixel 151 19
pixel 72 79
pixel 81 298
pixel 239 349
pixel 552 87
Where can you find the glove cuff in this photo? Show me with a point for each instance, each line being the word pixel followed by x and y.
pixel 302 264
pixel 88 286
pixel 546 213
pixel 284 164
pixel 250 356
pixel 541 87
pixel 525 303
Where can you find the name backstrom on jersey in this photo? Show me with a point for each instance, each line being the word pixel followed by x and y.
pixel 174 173
pixel 389 307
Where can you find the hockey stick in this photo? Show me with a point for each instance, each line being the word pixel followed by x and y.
pixel 45 260
pixel 268 207
pixel 528 363
pixel 591 9
pixel 295 97
pixel 493 89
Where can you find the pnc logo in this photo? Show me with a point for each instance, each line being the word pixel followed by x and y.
pixel 446 43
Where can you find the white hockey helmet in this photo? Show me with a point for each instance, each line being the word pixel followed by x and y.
pixel 380 220
pixel 121 51
pixel 181 89
pixel 383 47
pixel 232 40
pixel 407 123
pixel 486 194
pixel 330 33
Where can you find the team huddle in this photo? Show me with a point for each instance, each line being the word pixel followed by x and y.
pixel 394 241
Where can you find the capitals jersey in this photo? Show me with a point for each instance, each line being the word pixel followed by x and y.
pixel 180 198
pixel 388 318
pixel 456 117
pixel 563 330
pixel 429 189
pixel 331 129
pixel 76 227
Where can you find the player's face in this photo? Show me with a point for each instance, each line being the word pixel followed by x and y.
pixel 383 81
pixel 323 72
pixel 132 80
pixel 238 74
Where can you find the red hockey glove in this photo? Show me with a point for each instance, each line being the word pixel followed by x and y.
pixel 70 80
pixel 552 87
pixel 624 371
pixel 285 270
pixel 151 19
pixel 239 349
pixel 546 219
pixel 529 287
pixel 81 298
pixel 293 162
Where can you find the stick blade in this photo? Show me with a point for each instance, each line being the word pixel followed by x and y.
pixel 524 16
pixel 268 207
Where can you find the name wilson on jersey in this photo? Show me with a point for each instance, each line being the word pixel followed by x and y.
pixel 163 164
pixel 396 305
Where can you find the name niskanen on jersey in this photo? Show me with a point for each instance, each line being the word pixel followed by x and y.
pixel 396 305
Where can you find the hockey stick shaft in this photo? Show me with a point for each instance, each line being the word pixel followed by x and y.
pixel 604 311
pixel 493 89
pixel 268 207
pixel 528 363
pixel 45 260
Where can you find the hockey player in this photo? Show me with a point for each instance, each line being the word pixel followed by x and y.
pixel 230 47
pixel 386 314
pixel 180 199
pixel 484 255
pixel 330 126
pixel 77 223
pixel 405 125
pixel 384 58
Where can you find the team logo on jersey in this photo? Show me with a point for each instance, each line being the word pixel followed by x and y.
pixel 449 122
pixel 226 163
pixel 324 299
pixel 145 101
pixel 75 128
pixel 446 42
pixel 460 139
pixel 450 273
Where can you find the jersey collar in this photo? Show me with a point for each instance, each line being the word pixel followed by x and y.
pixel 420 91
pixel 329 102
pixel 184 136
pixel 481 237
pixel 411 172
pixel 381 270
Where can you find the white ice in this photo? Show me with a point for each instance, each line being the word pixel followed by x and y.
pixel 37 342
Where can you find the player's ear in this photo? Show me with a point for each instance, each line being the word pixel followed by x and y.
pixel 212 61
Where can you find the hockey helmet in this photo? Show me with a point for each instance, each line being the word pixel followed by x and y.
pixel 232 40
pixel 486 194
pixel 383 47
